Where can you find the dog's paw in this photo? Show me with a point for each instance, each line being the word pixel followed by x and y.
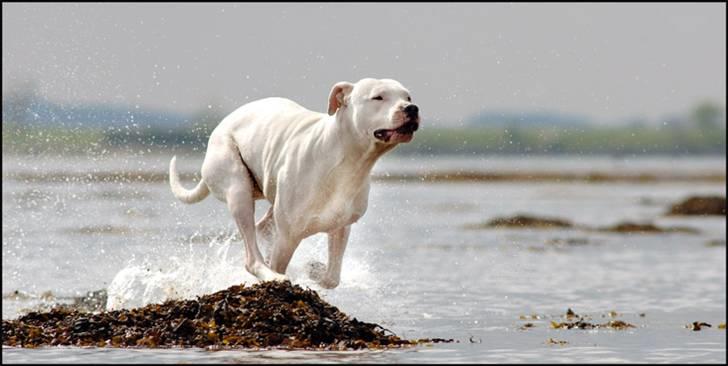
pixel 263 273
pixel 275 276
pixel 280 278
pixel 328 283
pixel 316 270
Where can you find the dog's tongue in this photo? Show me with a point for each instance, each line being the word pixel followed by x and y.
pixel 383 134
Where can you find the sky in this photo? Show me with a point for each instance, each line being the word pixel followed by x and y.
pixel 607 62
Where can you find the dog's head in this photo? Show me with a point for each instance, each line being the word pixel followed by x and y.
pixel 381 109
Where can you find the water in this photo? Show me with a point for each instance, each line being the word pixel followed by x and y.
pixel 410 265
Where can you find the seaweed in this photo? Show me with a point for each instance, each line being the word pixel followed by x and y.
pixel 556 341
pixel 580 323
pixel 528 221
pixel 265 315
pixel 527 326
pixel 696 326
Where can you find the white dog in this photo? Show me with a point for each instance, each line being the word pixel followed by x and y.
pixel 313 168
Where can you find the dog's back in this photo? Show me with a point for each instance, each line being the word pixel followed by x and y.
pixel 265 131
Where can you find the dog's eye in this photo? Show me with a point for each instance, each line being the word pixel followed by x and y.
pixel 409 99
pixel 379 97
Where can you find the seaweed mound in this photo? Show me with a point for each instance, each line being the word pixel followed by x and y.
pixel 528 221
pixel 699 205
pixel 265 315
pixel 631 227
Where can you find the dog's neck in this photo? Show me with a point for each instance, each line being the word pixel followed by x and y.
pixel 356 154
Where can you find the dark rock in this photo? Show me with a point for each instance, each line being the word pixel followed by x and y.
pixel 631 227
pixel 524 221
pixel 699 205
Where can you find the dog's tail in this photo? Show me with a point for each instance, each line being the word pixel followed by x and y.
pixel 195 195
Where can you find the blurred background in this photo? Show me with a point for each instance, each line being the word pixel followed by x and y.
pixel 490 78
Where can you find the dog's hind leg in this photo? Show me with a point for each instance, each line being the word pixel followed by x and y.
pixel 229 179
pixel 242 206
pixel 264 229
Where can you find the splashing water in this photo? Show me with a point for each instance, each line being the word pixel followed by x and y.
pixel 206 269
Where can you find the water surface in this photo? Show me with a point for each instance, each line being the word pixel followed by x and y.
pixel 411 265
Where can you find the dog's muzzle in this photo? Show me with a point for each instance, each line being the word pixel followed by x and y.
pixel 408 127
pixel 403 132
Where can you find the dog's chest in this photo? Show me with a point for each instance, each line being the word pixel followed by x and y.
pixel 336 209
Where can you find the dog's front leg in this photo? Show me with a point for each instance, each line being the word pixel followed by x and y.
pixel 337 244
pixel 283 248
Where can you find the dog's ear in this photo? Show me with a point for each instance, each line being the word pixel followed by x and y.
pixel 338 95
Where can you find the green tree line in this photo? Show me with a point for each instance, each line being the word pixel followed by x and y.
pixel 704 132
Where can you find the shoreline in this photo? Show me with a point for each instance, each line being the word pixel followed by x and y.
pixel 430 177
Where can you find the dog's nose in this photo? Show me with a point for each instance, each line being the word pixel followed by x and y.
pixel 411 110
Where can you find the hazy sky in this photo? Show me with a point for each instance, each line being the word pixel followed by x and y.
pixel 605 61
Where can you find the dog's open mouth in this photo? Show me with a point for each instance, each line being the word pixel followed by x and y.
pixel 400 134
